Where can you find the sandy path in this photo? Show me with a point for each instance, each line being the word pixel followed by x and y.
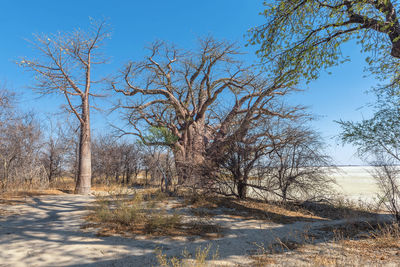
pixel 45 231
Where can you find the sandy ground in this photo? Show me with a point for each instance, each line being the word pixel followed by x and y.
pixel 46 231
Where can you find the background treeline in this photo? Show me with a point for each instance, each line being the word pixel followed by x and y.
pixel 276 159
pixel 35 153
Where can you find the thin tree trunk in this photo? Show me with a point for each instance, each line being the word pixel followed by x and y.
pixel 284 194
pixel 242 189
pixel 5 172
pixel 181 171
pixel 83 184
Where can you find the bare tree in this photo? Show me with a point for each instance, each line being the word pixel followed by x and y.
pixel 6 104
pixel 105 158
pixel 236 168
pixel 56 147
pixel 297 168
pixel 115 159
pixel 278 156
pixel 178 92
pixel 20 151
pixel 387 175
pixel 241 159
pixel 64 66
pixel 130 161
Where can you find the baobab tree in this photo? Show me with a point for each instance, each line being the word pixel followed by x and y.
pixel 64 66
pixel 181 92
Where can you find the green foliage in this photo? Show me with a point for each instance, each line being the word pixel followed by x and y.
pixel 372 136
pixel 160 136
pixel 306 36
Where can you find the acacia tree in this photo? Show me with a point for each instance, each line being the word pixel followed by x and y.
pixel 378 138
pixel 308 34
pixel 181 91
pixel 243 157
pixel 377 135
pixel 298 168
pixel 236 166
pixel 64 66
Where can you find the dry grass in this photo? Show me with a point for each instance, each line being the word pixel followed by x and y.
pixel 337 208
pixel 144 213
pixel 353 244
pixel 386 236
pixel 18 197
pixel 65 184
pixel 199 259
pixel 248 209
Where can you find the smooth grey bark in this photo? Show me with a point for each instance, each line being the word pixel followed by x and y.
pixel 83 183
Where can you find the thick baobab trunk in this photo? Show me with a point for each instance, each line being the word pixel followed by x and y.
pixel 83 183
pixel 189 157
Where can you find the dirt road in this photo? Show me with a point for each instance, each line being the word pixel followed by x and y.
pixel 46 231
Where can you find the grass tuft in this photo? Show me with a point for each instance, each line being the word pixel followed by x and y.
pixel 201 256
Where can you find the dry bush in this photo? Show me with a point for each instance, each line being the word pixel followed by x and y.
pixel 196 199
pixel 18 189
pixel 387 175
pixel 386 236
pixel 21 186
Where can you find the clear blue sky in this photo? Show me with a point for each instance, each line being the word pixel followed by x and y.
pixel 136 23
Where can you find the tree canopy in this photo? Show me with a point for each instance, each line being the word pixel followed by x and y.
pixel 307 35
pixel 376 135
pixel 203 99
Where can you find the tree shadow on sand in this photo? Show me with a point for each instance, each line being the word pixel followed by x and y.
pixel 52 226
